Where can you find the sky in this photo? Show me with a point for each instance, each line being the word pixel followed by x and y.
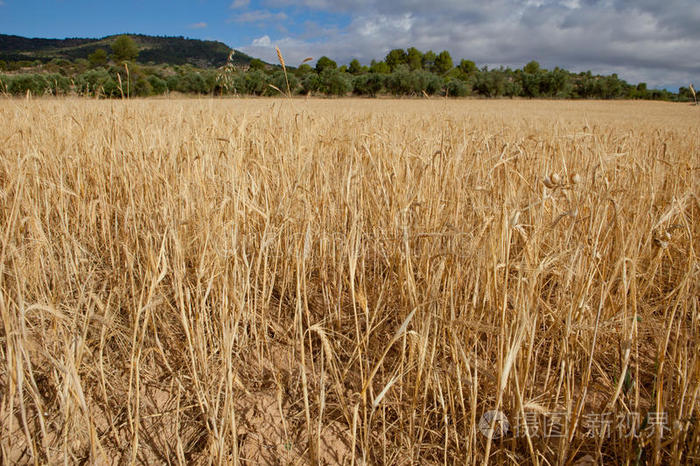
pixel 652 41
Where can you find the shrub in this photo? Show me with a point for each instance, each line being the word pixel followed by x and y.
pixel 325 63
pixel 124 48
pixel 20 84
pixel 98 57
pixel 192 82
pixel 369 84
pixel 336 83
pixel 58 84
pixel 405 82
pixel 158 85
pixel 303 70
pixel 512 88
pixel 110 88
pixel 278 80
pixel 457 88
pixel 252 83
pixel 311 83
pixel 172 82
pixel 428 82
pixel 91 82
pixel 142 87
pixel 490 83
pixel 532 83
pixel 400 82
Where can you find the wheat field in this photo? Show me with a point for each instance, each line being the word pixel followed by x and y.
pixel 349 282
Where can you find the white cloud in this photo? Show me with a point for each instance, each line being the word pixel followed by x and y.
pixel 263 41
pixel 239 4
pixel 572 4
pixel 259 16
pixel 200 25
pixel 641 40
pixel 374 25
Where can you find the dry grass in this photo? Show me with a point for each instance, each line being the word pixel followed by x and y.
pixel 350 282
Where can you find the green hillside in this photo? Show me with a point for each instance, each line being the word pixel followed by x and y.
pixel 152 49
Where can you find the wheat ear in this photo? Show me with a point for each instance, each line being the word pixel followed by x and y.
pixel 284 68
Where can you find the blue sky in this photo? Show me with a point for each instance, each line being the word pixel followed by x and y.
pixel 234 22
pixel 641 40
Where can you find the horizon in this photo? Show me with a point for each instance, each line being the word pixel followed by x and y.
pixel 654 45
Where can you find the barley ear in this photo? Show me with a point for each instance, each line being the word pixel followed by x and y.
pixel 121 90
pixel 280 58
pixel 284 69
pixel 128 79
pixel 276 88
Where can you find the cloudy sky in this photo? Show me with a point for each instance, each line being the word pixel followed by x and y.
pixel 655 41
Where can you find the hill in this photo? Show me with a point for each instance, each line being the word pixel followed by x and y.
pixel 152 49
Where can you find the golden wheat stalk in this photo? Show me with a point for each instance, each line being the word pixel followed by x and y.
pixel 284 69
pixel 276 88
pixel 128 79
pixel 361 331
pixel 280 58
pixel 121 89
pixel 692 91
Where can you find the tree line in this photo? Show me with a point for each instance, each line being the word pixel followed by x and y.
pixel 402 72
